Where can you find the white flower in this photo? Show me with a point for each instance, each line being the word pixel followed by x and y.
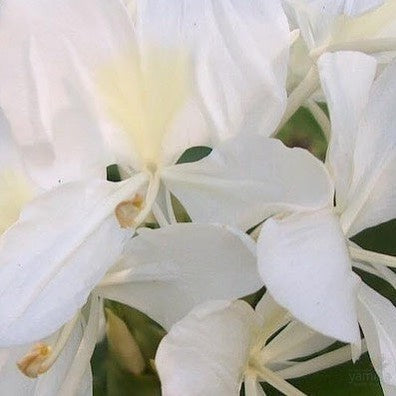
pixel 222 344
pixel 166 272
pixel 330 23
pixel 139 83
pixel 305 259
pixel 327 26
pixel 60 355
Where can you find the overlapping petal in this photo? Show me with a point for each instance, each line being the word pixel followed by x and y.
pixel 171 270
pixel 362 148
pixel 13 382
pixel 346 79
pixel 41 82
pixel 377 316
pixel 70 238
pixel 247 179
pixel 304 262
pixel 208 349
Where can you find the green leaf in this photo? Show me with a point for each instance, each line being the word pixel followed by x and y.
pixel 347 379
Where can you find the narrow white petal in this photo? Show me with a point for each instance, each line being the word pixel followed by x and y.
pixel 362 152
pixel 303 260
pixel 346 81
pixel 56 253
pixel 207 350
pixel 321 20
pixel 248 178
pixel 377 317
pixel 374 183
pixel 175 268
pixel 295 341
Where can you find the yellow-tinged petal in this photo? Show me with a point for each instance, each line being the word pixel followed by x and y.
pixel 370 24
pixel 15 192
pixel 142 95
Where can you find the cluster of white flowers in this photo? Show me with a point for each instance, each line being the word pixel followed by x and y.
pixel 89 83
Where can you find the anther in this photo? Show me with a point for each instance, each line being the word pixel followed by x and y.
pixel 32 363
pixel 127 211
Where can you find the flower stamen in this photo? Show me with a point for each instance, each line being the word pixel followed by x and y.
pixel 31 364
pixel 127 211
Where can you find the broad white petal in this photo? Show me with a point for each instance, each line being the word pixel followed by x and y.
pixel 346 7
pixel 248 178
pixel 377 317
pixel 41 80
pixel 173 269
pixel 60 248
pixel 346 79
pixel 207 350
pixel 304 263
pixel 249 39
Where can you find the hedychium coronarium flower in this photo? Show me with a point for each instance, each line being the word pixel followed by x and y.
pixel 60 353
pixel 133 83
pixel 58 364
pixel 308 246
pixel 166 286
pixel 328 26
pixel 137 82
pixel 221 345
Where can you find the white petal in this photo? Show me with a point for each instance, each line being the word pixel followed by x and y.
pixel 248 178
pixel 251 43
pixel 178 267
pixel 16 188
pixel 78 379
pixel 13 382
pixel 295 341
pixel 346 7
pixel 207 350
pixel 39 76
pixel 304 263
pixel 374 182
pixel 321 20
pixel 362 153
pixel 249 39
pixel 377 317
pixel 55 254
pixel 346 81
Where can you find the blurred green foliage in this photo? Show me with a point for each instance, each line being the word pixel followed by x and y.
pixel 111 379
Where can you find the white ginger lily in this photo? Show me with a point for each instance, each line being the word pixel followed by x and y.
pixel 298 254
pixel 167 272
pixel 66 352
pixel 222 344
pixel 142 78
pixel 164 273
pixel 75 229
pixel 327 26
